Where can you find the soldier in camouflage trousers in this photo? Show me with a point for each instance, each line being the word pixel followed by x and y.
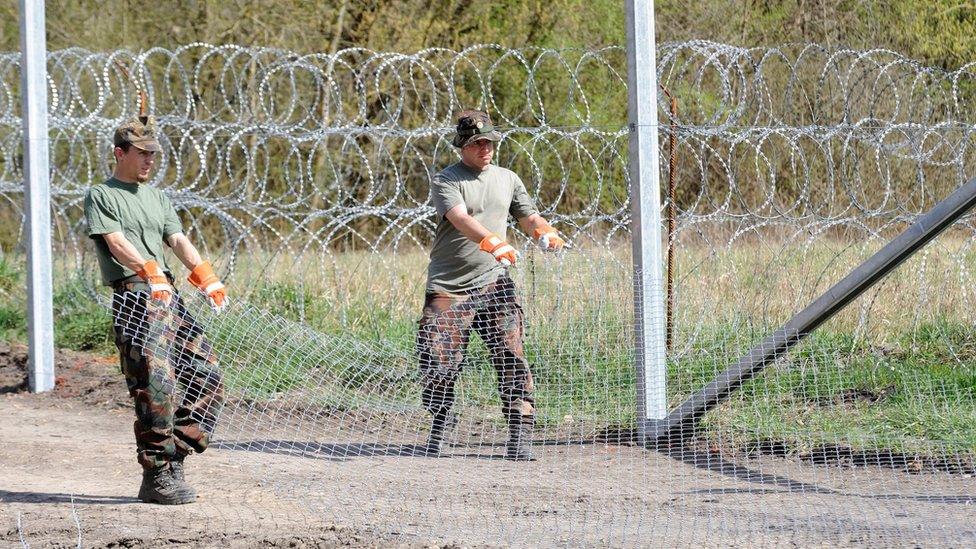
pixel 468 285
pixel 170 369
pixel 171 372
pixel 445 327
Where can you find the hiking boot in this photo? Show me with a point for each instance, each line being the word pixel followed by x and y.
pixel 160 486
pixel 440 427
pixel 177 467
pixel 519 446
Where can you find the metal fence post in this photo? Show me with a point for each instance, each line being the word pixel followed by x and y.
pixel 37 194
pixel 650 355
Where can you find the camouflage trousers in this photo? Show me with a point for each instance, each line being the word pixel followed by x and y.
pixel 442 339
pixel 171 372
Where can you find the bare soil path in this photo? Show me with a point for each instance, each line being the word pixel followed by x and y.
pixel 68 477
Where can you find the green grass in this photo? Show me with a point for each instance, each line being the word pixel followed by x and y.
pixel 80 323
pixel 13 313
pixel 10 276
pixel 267 356
pixel 84 330
pixel 13 322
pixel 913 398
pixel 907 384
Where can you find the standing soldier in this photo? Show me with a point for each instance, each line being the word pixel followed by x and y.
pixel 129 222
pixel 468 285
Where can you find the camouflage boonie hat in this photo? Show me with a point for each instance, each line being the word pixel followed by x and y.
pixel 140 131
pixel 472 126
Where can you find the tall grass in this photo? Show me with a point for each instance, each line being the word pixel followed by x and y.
pixel 897 369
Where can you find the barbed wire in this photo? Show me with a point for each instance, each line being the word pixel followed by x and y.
pixel 286 156
pixel 273 143
pixel 791 164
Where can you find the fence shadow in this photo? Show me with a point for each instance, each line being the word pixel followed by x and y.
pixel 715 463
pixel 7 496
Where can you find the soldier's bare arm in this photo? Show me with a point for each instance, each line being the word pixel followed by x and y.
pixel 184 250
pixel 201 273
pixel 124 251
pixel 487 241
pixel 531 223
pixel 126 254
pixel 542 232
pixel 467 225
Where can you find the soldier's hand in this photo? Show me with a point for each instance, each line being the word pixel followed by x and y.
pixel 207 282
pixel 502 251
pixel 159 286
pixel 549 239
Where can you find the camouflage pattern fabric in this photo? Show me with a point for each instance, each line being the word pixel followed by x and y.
pixel 171 372
pixel 474 125
pixel 442 339
pixel 138 131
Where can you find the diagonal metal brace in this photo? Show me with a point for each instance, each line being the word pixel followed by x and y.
pixel 682 421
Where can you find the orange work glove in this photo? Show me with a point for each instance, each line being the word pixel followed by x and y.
pixel 548 238
pixel 207 282
pixel 503 252
pixel 158 284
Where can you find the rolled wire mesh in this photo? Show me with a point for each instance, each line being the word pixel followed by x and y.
pixel 308 177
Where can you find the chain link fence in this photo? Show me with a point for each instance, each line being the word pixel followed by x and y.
pixel 306 177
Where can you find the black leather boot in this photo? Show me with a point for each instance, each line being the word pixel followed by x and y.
pixel 519 443
pixel 161 486
pixel 441 424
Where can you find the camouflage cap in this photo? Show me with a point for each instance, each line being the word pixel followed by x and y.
pixel 474 126
pixel 140 131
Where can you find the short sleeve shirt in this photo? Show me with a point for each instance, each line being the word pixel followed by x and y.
pixel 144 214
pixel 457 264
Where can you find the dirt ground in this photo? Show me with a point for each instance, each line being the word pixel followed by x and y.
pixel 68 478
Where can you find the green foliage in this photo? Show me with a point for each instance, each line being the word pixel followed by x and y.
pixel 401 25
pixel 914 398
pixel 290 301
pixel 13 316
pixel 13 322
pixel 935 32
pixel 87 329
pixel 10 276
pixel 80 323
pixel 940 32
pixel 915 394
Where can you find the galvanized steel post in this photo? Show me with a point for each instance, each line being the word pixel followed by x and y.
pixel 37 194
pixel 642 90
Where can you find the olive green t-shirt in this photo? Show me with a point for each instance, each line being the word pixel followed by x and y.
pixel 144 214
pixel 457 264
